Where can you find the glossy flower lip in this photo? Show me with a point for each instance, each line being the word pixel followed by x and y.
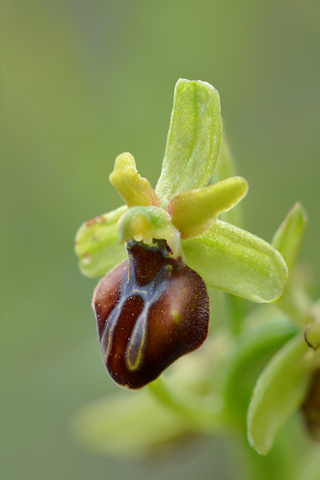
pixel 150 310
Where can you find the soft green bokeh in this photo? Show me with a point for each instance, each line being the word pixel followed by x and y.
pixel 83 82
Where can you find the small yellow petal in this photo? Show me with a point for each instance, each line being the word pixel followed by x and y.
pixel 134 189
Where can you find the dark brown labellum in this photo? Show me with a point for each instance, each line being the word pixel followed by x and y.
pixel 150 310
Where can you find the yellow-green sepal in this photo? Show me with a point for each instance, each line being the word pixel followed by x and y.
pixel 96 244
pixel 134 189
pixel 194 211
pixel 279 392
pixel 231 259
pixel 193 141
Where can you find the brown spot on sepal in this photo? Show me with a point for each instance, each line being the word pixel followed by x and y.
pixel 137 305
pixel 95 220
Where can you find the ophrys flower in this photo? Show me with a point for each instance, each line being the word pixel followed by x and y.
pixel 153 308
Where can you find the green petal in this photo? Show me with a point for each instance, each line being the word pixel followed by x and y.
pixel 134 189
pixel 289 236
pixel 279 392
pixel 193 141
pixel 96 244
pixel 194 211
pixel 233 260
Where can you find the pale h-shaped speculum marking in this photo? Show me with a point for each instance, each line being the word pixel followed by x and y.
pixel 150 294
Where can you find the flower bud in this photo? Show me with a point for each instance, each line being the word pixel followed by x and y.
pixel 150 310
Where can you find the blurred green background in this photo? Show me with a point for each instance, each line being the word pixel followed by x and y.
pixel 82 82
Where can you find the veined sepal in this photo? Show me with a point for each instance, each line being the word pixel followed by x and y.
pixel 97 246
pixel 231 259
pixel 193 141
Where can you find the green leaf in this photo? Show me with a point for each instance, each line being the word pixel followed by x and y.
pixel 193 141
pixel 289 236
pixel 96 244
pixel 194 211
pixel 279 392
pixel 233 260
pixel 134 189
pixel 131 425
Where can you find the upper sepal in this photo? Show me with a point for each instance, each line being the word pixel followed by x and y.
pixel 193 141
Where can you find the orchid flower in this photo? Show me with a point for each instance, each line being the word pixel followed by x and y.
pixel 160 250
